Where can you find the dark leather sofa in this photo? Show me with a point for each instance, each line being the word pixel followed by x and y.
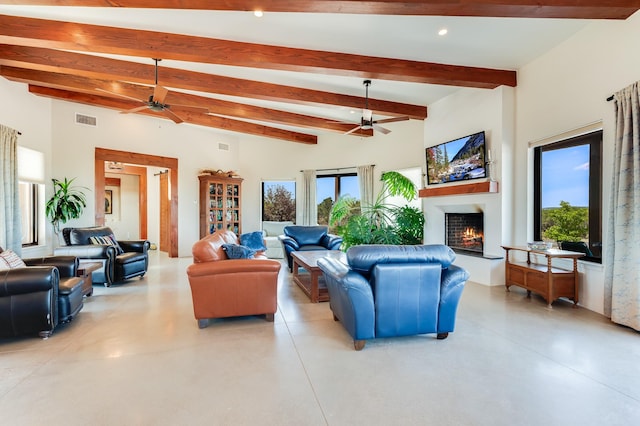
pixel 125 260
pixel 300 238
pixel 386 291
pixel 38 298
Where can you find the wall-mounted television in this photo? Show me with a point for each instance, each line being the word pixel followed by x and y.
pixel 457 160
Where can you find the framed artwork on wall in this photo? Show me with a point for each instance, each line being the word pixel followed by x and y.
pixel 108 201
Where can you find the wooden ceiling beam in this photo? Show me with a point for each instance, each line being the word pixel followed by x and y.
pixel 113 69
pixel 151 44
pixel 186 115
pixel 214 106
pixel 583 9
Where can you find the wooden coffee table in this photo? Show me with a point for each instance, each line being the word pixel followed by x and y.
pixel 84 271
pixel 310 280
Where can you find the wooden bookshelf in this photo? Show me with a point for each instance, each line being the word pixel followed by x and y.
pixel 467 188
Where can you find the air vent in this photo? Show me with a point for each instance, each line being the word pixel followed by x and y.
pixel 223 146
pixel 86 119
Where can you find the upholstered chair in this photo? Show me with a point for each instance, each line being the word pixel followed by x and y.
pixel 300 238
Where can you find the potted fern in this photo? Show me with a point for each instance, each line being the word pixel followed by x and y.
pixel 66 203
pixel 380 222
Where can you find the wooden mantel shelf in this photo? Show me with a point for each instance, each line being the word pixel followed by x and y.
pixel 468 188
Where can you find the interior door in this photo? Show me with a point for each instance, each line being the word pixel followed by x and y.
pixel 165 212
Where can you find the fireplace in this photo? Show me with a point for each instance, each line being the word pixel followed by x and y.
pixel 464 232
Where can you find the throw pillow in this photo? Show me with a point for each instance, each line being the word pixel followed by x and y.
pixel 11 260
pixel 235 251
pixel 106 240
pixel 253 240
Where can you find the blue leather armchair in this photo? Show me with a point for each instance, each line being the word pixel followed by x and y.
pixel 387 291
pixel 300 238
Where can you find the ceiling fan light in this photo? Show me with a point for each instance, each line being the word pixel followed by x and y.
pixel 367 114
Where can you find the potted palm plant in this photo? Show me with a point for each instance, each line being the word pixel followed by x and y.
pixel 380 222
pixel 66 203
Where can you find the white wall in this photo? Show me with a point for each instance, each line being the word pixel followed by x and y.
pixel 31 116
pixel 264 159
pixel 195 147
pixel 463 113
pixel 566 89
pixel 124 220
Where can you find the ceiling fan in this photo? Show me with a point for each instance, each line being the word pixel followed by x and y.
pixel 156 101
pixel 367 122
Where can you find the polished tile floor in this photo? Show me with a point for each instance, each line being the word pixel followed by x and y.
pixel 135 356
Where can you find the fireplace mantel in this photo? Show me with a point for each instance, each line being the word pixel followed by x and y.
pixel 469 188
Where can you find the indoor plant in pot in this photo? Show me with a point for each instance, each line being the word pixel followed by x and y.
pixel 66 203
pixel 380 222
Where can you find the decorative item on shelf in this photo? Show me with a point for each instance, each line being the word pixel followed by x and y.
pixel 115 165
pixel 539 245
pixel 218 172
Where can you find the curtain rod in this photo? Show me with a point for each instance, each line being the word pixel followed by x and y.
pixel 610 98
pixel 336 168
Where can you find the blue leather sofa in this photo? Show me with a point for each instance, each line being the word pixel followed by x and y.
pixel 387 291
pixel 300 238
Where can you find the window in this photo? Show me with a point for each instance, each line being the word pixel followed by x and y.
pixel 29 212
pixel 568 193
pixel 279 201
pixel 329 188
pixel 31 189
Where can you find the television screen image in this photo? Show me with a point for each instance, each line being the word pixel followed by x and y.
pixel 457 160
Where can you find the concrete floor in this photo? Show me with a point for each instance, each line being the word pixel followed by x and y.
pixel 135 356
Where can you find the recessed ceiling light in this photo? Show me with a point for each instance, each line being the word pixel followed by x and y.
pixel 443 32
pixel 258 13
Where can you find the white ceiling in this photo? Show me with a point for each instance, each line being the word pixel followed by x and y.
pixel 502 43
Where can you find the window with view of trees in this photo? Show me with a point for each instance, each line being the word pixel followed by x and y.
pixel 329 188
pixel 567 202
pixel 279 201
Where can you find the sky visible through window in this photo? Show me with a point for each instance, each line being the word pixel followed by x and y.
pixel 565 176
pixel 288 185
pixel 325 187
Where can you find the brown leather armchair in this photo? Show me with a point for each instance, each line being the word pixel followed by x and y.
pixel 223 287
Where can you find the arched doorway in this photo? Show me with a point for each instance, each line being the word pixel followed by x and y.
pixel 171 164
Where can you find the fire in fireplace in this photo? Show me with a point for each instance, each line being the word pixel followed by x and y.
pixel 464 232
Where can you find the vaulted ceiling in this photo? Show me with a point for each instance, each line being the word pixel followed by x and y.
pixel 291 74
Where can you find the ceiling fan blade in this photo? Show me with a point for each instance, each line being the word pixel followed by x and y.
pixel 159 93
pixel 380 129
pixel 120 95
pixel 172 116
pixel 392 120
pixel 352 130
pixel 129 111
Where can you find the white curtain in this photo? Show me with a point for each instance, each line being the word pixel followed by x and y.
pixel 622 251
pixel 365 182
pixel 309 206
pixel 10 220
